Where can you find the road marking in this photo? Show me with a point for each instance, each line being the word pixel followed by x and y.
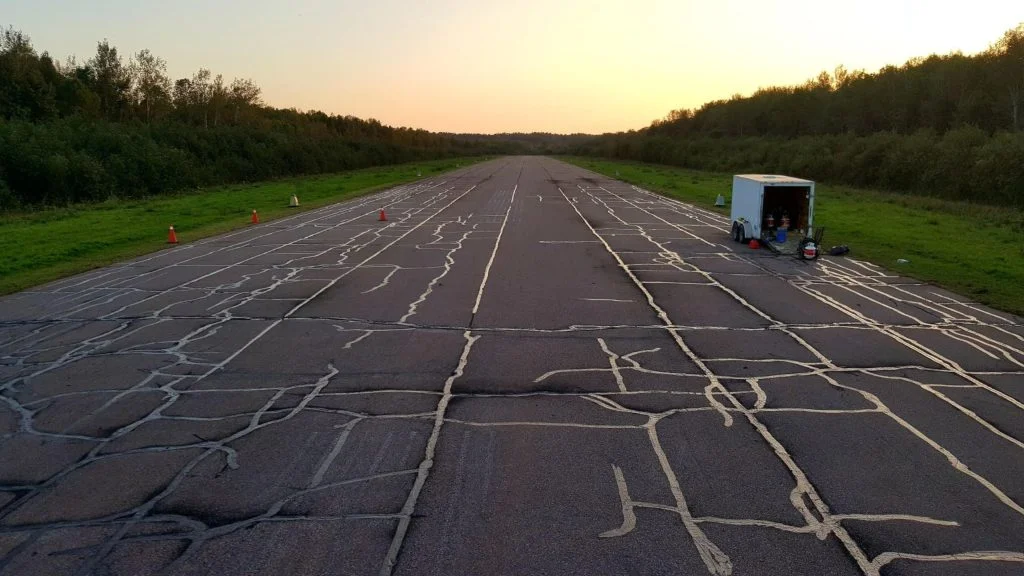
pixel 716 561
pixel 494 252
pixel 375 254
pixel 442 407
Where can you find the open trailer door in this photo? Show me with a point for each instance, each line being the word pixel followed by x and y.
pixel 776 210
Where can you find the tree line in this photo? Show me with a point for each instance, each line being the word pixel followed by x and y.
pixel 36 88
pixel 80 132
pixel 542 143
pixel 948 126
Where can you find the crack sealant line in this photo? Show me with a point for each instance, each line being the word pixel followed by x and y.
pixel 985 348
pixel 254 425
pixel 993 556
pixel 803 485
pixel 393 193
pixel 939 309
pixel 276 322
pixel 442 406
pixel 1007 350
pixel 613 359
pixel 449 261
pixel 849 287
pixel 692 208
pixel 143 510
pixel 690 211
pixel 852 325
pixel 328 460
pixel 954 461
pixel 827 523
pixel 428 460
pixel 842 265
pixel 221 269
pixel 675 260
pixel 395 196
pixel 966 411
pixel 94 452
pixel 851 281
pixel 375 254
pixel 714 562
pixel 910 343
pixel 977 308
pixel 333 210
pixel 944 317
pixel 834 279
pixel 906 341
pixel 494 252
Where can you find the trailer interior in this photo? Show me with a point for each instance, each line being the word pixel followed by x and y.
pixel 787 200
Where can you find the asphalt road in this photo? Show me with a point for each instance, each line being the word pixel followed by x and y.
pixel 528 369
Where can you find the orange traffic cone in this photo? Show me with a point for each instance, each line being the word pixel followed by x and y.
pixel 383 216
pixel 255 217
pixel 755 244
pixel 172 238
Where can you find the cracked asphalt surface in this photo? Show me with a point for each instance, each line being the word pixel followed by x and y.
pixel 529 369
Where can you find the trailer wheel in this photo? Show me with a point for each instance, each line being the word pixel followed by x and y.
pixel 740 234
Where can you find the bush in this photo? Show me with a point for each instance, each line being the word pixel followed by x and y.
pixel 963 164
pixel 998 170
pixel 82 160
pixel 7 197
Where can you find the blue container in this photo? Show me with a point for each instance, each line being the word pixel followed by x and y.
pixel 780 236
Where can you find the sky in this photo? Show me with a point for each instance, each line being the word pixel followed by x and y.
pixel 518 66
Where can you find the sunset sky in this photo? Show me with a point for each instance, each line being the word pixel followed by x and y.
pixel 525 65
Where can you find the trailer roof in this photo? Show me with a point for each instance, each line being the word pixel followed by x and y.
pixel 774 179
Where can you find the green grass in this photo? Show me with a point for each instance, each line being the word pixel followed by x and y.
pixel 45 245
pixel 974 250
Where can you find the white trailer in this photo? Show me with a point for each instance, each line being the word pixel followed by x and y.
pixel 761 201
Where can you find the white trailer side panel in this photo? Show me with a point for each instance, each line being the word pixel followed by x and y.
pixel 747 198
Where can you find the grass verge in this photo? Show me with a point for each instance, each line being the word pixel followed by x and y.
pixel 45 245
pixel 971 249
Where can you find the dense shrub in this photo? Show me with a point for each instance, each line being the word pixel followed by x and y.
pixel 962 164
pixel 73 160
